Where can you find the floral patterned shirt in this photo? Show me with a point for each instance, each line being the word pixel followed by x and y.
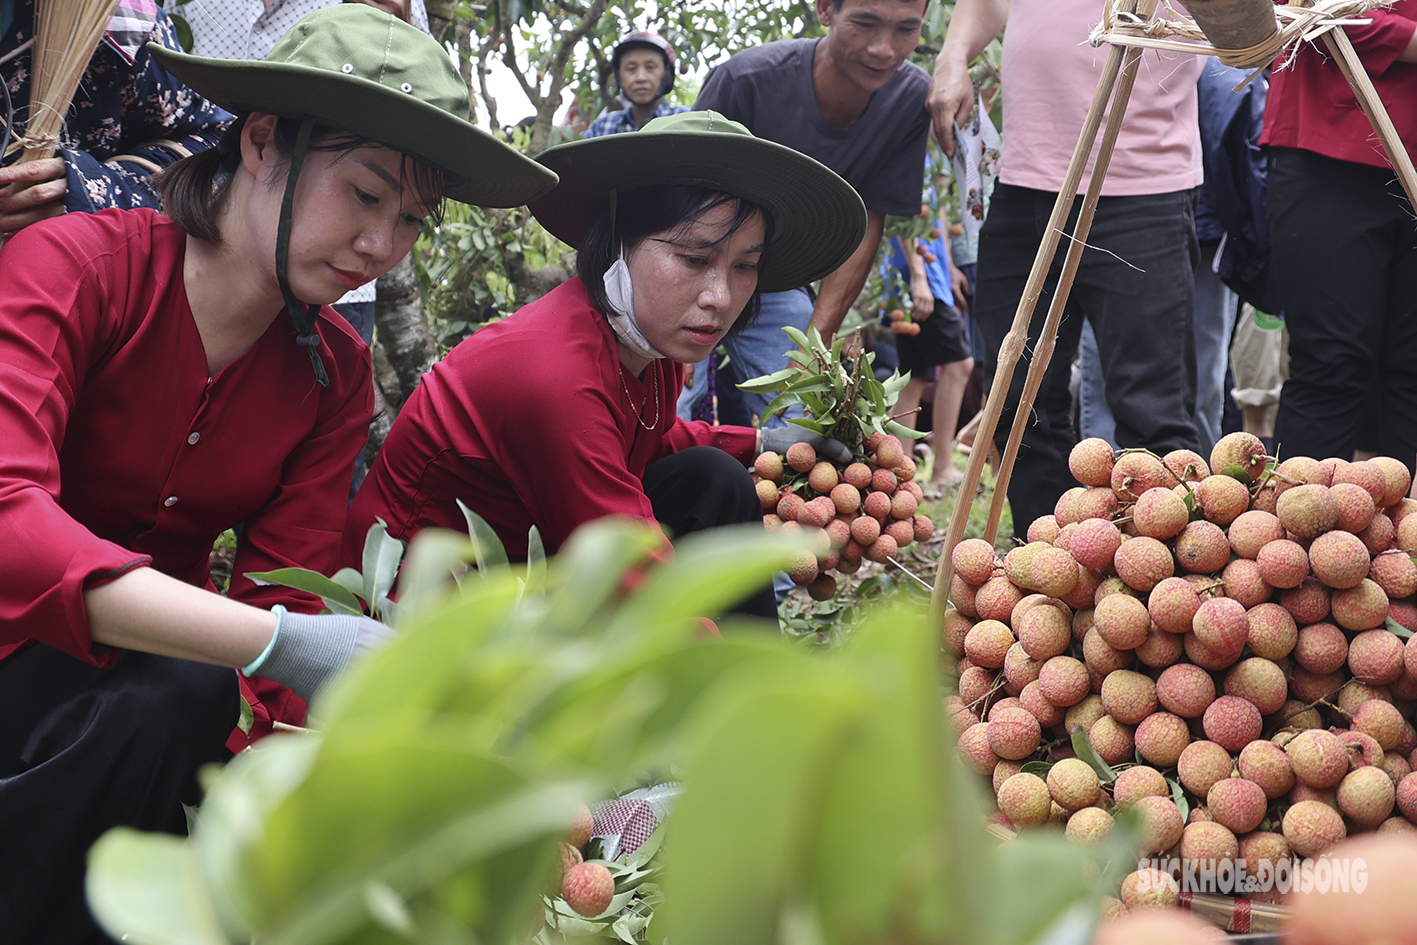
pixel 129 117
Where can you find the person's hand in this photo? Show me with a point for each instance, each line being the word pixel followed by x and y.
pixel 950 100
pixel 399 8
pixel 31 192
pixel 778 439
pixel 959 285
pixel 689 375
pixel 922 299
pixel 308 648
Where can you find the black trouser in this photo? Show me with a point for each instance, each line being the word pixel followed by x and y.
pixel 1136 288
pixel 84 749
pixel 1344 250
pixel 703 487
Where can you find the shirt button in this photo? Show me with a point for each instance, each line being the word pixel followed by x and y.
pixel 170 501
pixel 192 440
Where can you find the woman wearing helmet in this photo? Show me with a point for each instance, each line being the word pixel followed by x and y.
pixel 154 393
pixel 643 66
pixel 564 413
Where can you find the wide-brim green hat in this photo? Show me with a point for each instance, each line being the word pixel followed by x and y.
pixel 365 72
pixel 818 218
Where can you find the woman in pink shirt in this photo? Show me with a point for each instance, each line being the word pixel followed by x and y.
pixel 564 412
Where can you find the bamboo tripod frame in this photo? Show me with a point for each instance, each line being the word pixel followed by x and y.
pixel 1115 84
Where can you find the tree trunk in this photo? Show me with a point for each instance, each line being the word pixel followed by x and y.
pixel 440 14
pixel 403 332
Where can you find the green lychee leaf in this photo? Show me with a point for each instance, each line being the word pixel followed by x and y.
pixel 1236 472
pixel 769 382
pixel 1179 796
pixel 1397 628
pixel 1040 768
pixel 1083 746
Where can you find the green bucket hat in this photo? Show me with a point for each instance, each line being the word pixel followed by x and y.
pixel 361 71
pixel 818 218
pixel 365 72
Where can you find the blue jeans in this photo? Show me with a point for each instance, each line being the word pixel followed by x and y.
pixel 694 392
pixel 1216 308
pixel 762 348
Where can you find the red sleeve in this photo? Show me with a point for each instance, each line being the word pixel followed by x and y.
pixel 59 306
pixel 738 442
pixel 1381 42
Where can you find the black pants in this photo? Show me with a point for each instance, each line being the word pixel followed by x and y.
pixel 84 749
pixel 703 487
pixel 1345 255
pixel 1136 288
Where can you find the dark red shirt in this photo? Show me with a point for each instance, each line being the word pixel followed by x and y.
pixel 1311 105
pixel 119 450
pixel 531 421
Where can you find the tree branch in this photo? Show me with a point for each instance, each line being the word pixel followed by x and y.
pixel 509 57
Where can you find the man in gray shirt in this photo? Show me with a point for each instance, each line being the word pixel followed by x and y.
pixel 851 101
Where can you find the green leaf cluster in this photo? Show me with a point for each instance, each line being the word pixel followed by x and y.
pixel 823 801
pixel 841 396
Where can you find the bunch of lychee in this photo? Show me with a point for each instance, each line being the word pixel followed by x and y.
pixel 865 510
pixel 586 886
pixel 1234 633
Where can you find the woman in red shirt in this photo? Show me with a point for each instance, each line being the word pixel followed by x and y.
pixel 1344 246
pixel 564 412
pixel 152 396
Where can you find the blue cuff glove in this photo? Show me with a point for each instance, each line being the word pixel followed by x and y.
pixel 307 648
pixel 778 439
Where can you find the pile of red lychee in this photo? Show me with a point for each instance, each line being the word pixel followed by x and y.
pixel 1234 633
pixel 868 509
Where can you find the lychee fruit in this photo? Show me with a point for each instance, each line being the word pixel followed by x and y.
pixel 1237 803
pixel 1185 689
pixel 1339 559
pixel 1260 682
pixel 802 567
pixel 1398 479
pixel 1159 823
pixel 877 505
pixel 1395 573
pixel 1044 632
pixel 1222 499
pixel 1095 502
pixel 884 481
pixel 1266 764
pixel 1128 696
pixel 1093 543
pixel 1360 608
pixel 973 559
pixel 1318 758
pixel 974 750
pixel 801 456
pixel 1143 562
pixel 768 466
pixel 1271 632
pixel 1053 571
pixel 996 598
pixel 1161 737
pixel 858 475
pixel 1307 511
pixel 1220 624
pixel 1111 740
pixel 1232 722
pixel 1376 657
pixel 1073 784
pixel 1090 462
pixel 1137 782
pixel 823 588
pixel 1206 840
pixel 1283 563
pixel 1160 649
pixel 1151 889
pixel 1064 681
pixel 890 452
pixel 1100 656
pixel 1202 764
pixel 1014 734
pixel 1173 604
pixel 767 494
pixel 1356 507
pixel 1311 828
pixel 589 887
pixel 1308 602
pixel 1122 621
pixel 1321 648
pixel 1024 800
pixel 1186 465
pixel 1382 721
pixel 1202 548
pixel 1133 473
pixel 1160 514
pixel 1089 825
pixel 1238 449
pixel 1044 528
pixel 1242 582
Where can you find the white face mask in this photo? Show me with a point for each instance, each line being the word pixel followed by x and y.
pixel 621 296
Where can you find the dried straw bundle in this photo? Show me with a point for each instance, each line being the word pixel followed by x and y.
pixel 66 34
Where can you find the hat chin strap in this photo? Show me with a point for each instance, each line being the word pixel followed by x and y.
pixel 302 315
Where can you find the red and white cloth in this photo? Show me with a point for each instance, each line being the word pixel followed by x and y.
pixel 624 824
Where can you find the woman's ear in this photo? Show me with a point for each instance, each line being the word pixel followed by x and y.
pixel 258 149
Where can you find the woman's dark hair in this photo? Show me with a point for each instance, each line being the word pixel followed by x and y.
pixel 194 189
pixel 668 208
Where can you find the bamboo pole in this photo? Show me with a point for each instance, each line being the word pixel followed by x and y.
pixel 1017 336
pixel 1048 336
pixel 1346 56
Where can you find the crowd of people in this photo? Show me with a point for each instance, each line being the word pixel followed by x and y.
pixel 185 312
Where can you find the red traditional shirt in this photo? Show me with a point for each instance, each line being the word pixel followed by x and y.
pixel 531 421
pixel 1311 105
pixel 120 451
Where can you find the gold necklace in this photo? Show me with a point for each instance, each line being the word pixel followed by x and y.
pixel 652 392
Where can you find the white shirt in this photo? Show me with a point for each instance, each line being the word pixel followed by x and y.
pixel 249 29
